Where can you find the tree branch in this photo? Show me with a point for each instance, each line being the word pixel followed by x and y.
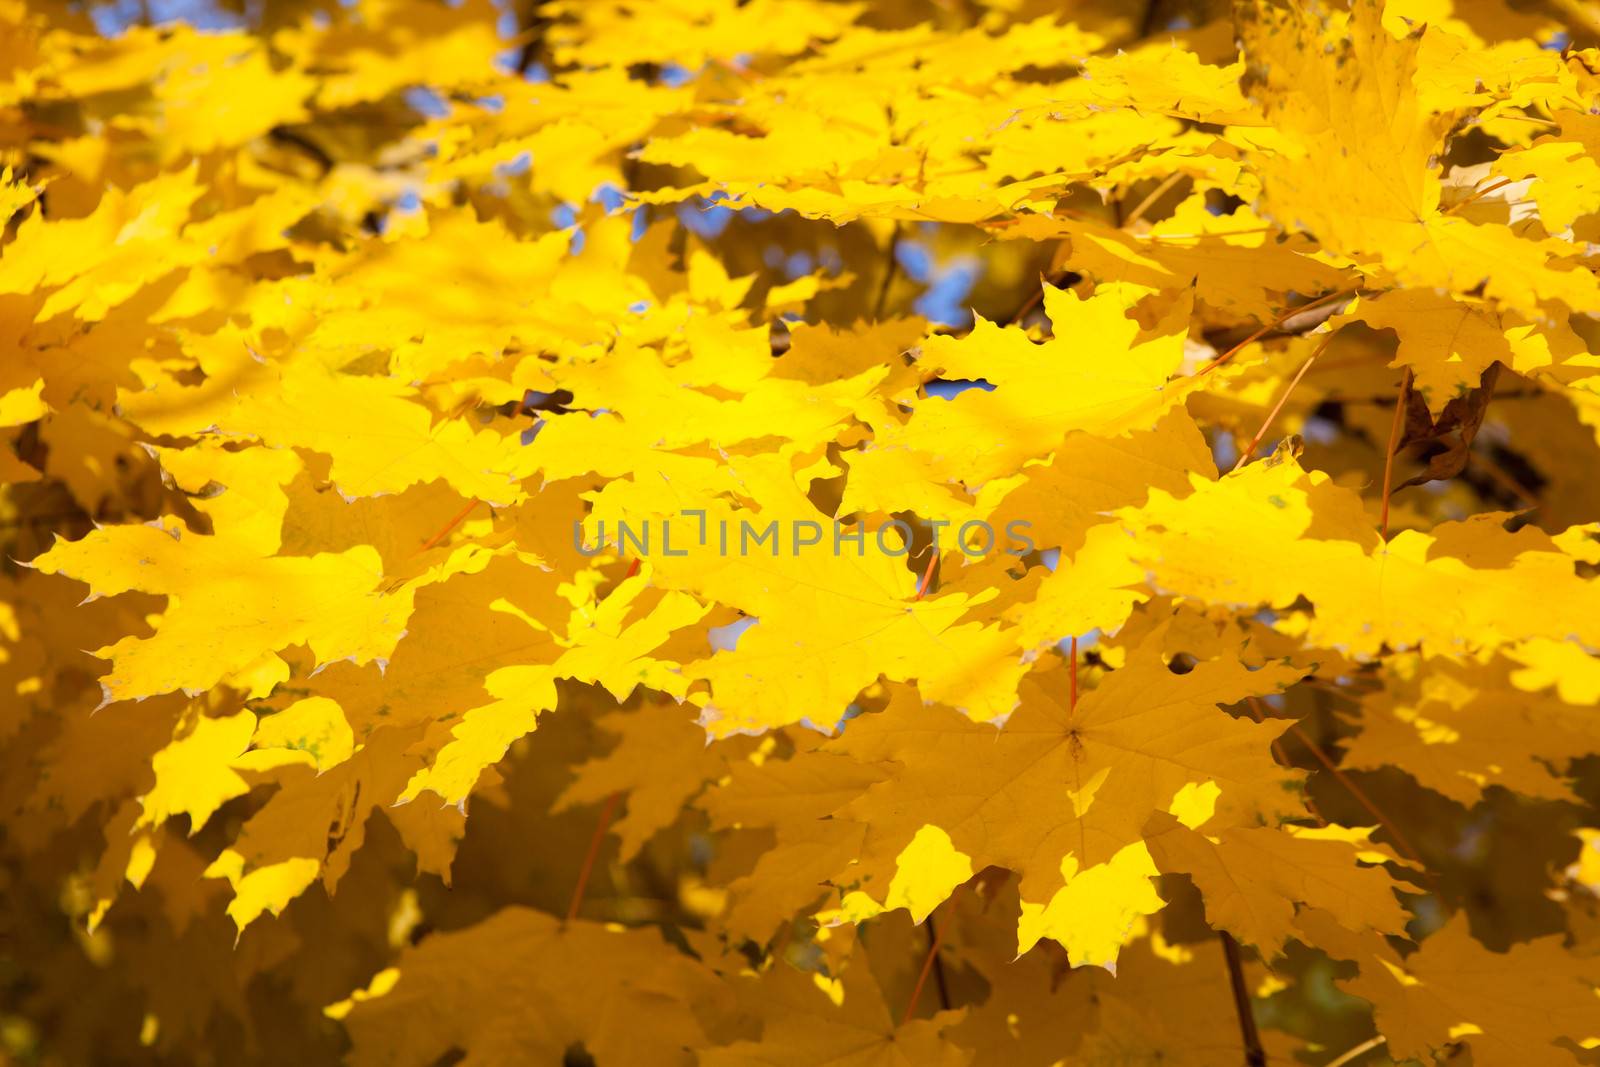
pixel 1254 1055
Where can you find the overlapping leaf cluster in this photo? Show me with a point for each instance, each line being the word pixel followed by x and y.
pixel 339 340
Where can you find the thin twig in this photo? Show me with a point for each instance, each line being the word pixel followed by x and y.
pixel 1498 475
pixel 451 525
pixel 1029 304
pixel 1357 1052
pixel 1148 202
pixel 1073 705
pixel 319 155
pixel 927 966
pixel 1273 325
pixel 939 981
pixel 606 812
pixel 1363 360
pixel 1479 195
pixel 1400 841
pixel 927 576
pixel 890 270
pixel 1254 706
pixel 1250 450
pixel 1389 453
pixel 1254 1055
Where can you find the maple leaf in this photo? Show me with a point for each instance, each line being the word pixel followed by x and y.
pixel 1362 178
pixel 1041 392
pixel 1294 533
pixel 1061 794
pixel 1505 1006
pixel 1459 731
pixel 815 1019
pixel 657 1002
pixel 1252 878
pixel 331 601
pixel 660 762
pixel 386 389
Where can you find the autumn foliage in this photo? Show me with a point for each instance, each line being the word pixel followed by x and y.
pixel 1197 409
